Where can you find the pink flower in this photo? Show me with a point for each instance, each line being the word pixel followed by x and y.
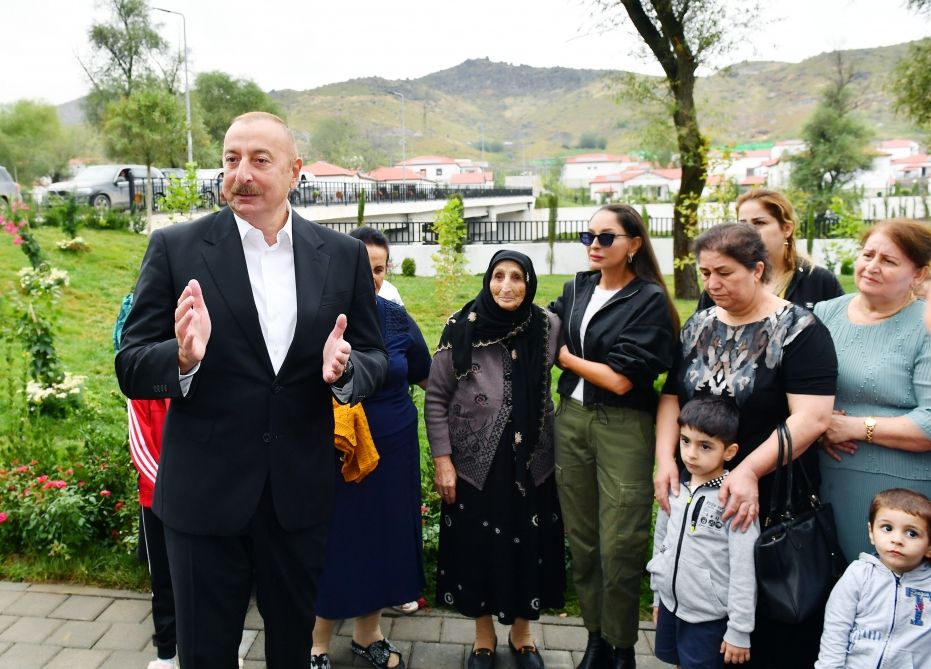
pixel 10 228
pixel 59 484
pixel 3 517
pixel 17 240
pixel 23 469
pixel 69 472
pixel 81 484
pixel 105 493
pixel 423 509
pixel 42 479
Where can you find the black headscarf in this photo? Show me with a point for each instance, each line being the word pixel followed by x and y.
pixel 525 331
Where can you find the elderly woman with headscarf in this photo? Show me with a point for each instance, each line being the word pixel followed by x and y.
pixel 489 419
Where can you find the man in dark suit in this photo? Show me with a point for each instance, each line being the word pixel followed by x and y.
pixel 276 315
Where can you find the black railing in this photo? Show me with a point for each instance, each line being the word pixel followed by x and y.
pixel 502 231
pixel 332 193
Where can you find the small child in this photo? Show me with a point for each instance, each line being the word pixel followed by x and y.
pixel 875 615
pixel 702 572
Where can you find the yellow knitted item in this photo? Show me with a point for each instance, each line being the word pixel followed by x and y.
pixel 354 438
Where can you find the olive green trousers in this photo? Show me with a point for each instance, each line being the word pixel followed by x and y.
pixel 604 473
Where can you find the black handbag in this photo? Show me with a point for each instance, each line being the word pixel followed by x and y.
pixel 798 559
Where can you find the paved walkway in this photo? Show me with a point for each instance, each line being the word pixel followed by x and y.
pixel 75 627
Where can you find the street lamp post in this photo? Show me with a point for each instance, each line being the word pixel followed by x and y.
pixel 403 145
pixel 187 88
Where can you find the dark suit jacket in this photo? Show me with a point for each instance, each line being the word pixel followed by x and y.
pixel 240 423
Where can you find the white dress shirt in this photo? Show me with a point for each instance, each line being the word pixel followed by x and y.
pixel 274 290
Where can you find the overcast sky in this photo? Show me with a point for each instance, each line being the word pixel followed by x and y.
pixel 300 45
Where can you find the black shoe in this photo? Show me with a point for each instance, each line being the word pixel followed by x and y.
pixel 481 658
pixel 378 653
pixel 597 653
pixel 528 657
pixel 624 659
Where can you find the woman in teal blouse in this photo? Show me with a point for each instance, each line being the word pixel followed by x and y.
pixel 880 434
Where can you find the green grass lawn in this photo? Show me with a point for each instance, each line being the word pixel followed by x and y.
pixel 99 280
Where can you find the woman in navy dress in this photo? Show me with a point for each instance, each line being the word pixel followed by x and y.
pixel 374 553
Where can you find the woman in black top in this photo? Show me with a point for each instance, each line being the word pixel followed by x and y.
pixel 619 328
pixel 792 277
pixel 777 362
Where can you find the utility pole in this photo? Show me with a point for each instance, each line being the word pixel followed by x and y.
pixel 403 145
pixel 187 87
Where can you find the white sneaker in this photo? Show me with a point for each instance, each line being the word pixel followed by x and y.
pixel 163 664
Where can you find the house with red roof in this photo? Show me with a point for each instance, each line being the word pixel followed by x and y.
pixel 581 170
pixel 473 180
pixel 655 184
pixel 397 176
pixel 438 169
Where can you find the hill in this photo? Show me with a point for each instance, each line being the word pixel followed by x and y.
pixel 528 113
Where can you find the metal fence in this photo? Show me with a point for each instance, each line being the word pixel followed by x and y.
pixel 331 193
pixel 500 232
pixel 511 232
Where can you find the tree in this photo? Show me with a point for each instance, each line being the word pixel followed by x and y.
pixel 221 98
pixel 129 54
pixel 683 35
pixel 449 260
pixel 31 138
pixel 145 127
pixel 837 143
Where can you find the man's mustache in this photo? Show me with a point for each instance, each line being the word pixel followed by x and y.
pixel 245 189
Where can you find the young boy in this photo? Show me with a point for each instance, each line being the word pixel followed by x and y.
pixel 876 615
pixel 702 572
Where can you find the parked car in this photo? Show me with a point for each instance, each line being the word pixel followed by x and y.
pixel 9 190
pixel 105 186
pixel 211 187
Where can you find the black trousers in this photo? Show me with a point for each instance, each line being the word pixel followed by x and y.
pixel 213 579
pixel 163 599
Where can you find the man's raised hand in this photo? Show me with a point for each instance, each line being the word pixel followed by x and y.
pixel 192 326
pixel 336 352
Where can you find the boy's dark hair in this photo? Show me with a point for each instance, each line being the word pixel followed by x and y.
pixel 715 416
pixel 901 499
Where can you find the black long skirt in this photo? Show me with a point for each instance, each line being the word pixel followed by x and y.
pixel 502 552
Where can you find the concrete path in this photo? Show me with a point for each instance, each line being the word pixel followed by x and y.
pixel 75 627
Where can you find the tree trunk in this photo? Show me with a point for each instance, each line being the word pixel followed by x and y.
pixel 693 158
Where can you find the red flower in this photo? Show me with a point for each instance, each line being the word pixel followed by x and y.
pixel 421 602
pixel 423 509
pixel 34 462
pixel 105 493
pixel 80 484
pixel 118 506
pixel 69 472
pixel 3 517
pixel 23 469
pixel 42 479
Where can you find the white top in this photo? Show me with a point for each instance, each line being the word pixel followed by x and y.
pixel 599 298
pixel 390 292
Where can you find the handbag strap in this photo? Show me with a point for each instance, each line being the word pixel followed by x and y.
pixel 784 435
pixel 774 502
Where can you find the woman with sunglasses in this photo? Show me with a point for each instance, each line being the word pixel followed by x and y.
pixel 619 327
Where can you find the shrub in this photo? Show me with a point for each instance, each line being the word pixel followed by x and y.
pixel 408 267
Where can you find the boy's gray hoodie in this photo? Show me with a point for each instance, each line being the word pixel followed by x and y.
pixel 701 570
pixel 877 619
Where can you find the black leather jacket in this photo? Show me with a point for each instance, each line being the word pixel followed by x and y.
pixel 632 333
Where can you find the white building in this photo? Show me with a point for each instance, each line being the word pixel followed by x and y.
pixel 581 170
pixel 397 176
pixel 473 180
pixel 438 169
pixel 655 183
pixel 898 148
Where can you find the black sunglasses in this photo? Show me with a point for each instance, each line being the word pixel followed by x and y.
pixel 604 238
